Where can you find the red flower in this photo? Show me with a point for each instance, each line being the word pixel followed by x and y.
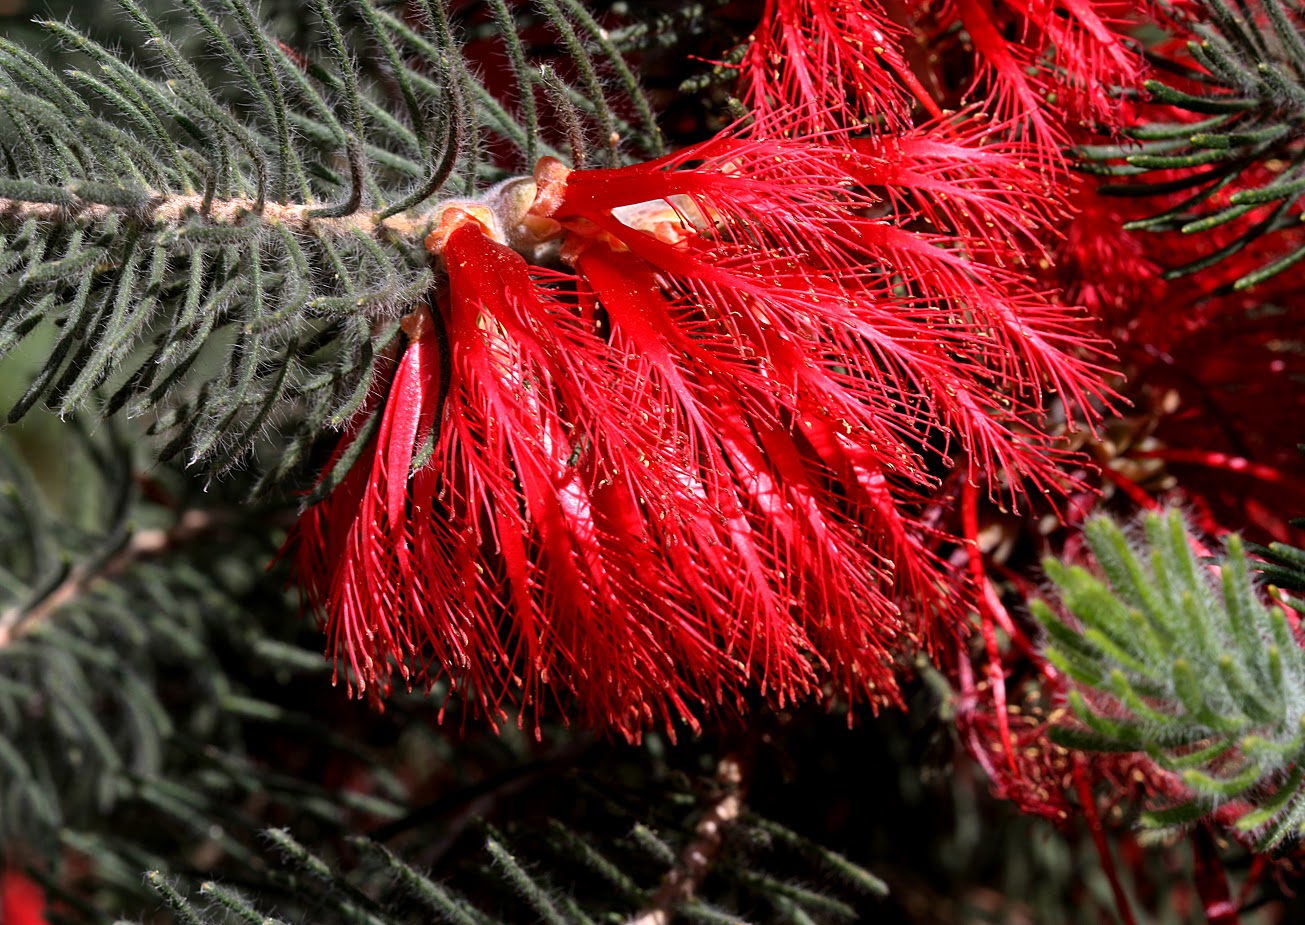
pixel 849 63
pixel 22 901
pixel 692 465
pixel 839 62
pixel 1067 58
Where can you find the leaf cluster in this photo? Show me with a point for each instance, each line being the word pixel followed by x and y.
pixel 1283 566
pixel 1226 148
pixel 221 241
pixel 140 640
pixel 1199 674
pixel 558 872
pixel 151 673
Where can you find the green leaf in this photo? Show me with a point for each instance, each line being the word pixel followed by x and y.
pixel 1250 86
pixel 1208 684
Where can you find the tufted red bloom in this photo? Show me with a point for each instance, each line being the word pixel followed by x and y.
pixel 1043 66
pixel 691 464
pixel 840 61
pixel 22 901
pixel 1048 63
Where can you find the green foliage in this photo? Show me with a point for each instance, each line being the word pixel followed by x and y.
pixel 1283 566
pixel 556 874
pixel 1194 670
pixel 148 672
pixel 1242 109
pixel 140 640
pixel 222 236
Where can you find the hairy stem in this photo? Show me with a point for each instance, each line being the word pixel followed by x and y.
pixel 175 210
pixel 695 861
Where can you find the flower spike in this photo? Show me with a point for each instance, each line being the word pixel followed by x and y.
pixel 352 550
pixel 839 62
pixel 689 465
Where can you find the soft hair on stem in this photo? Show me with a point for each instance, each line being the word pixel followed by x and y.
pixel 555 90
pixel 173 211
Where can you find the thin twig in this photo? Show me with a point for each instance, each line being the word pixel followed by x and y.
pixel 17 621
pixel 176 210
pixel 683 880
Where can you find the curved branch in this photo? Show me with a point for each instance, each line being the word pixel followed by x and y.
pixel 699 854
pixel 192 524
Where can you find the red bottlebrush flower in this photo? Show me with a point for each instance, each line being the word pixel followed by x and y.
pixel 693 465
pixel 842 64
pixel 838 61
pixel 955 177
pixel 359 554
pixel 22 901
pixel 1104 267
pixel 1070 47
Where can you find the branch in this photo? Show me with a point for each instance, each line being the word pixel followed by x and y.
pixel 192 524
pixel 699 854
pixel 173 210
